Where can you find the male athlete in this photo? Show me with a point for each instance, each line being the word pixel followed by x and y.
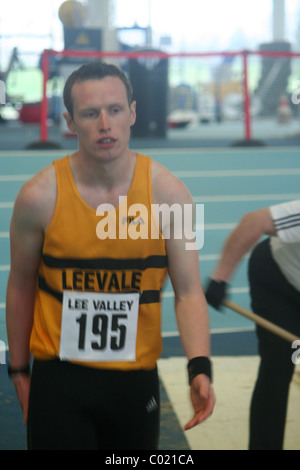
pixel 83 298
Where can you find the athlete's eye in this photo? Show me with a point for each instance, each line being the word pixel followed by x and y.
pixel 90 113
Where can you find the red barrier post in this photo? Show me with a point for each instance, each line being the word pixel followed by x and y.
pixel 247 114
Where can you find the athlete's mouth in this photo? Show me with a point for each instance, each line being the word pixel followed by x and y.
pixel 106 140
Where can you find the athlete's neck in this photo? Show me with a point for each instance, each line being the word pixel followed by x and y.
pixel 103 182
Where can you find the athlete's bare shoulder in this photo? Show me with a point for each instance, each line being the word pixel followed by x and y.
pixel 166 187
pixel 37 197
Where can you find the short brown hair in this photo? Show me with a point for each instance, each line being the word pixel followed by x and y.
pixel 90 71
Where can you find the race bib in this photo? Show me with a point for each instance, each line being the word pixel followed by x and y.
pixel 99 327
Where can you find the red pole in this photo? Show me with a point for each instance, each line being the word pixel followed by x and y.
pixel 44 104
pixel 246 98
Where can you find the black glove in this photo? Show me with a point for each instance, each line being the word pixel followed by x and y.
pixel 215 293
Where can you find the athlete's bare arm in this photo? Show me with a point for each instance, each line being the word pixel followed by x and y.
pixel 32 213
pixel 246 234
pixel 190 304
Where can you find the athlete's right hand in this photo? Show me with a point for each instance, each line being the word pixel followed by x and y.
pixel 22 386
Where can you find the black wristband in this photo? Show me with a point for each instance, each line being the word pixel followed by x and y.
pixel 22 370
pixel 199 365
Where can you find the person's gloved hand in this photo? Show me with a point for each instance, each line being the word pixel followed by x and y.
pixel 215 293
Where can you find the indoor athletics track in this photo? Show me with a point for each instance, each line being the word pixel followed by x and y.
pixel 229 182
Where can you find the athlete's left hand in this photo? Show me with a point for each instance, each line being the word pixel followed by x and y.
pixel 202 399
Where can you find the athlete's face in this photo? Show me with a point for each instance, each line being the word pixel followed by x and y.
pixel 102 117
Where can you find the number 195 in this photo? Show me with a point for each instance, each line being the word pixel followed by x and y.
pixel 101 329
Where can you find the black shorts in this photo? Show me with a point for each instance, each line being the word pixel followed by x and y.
pixel 73 407
pixel 272 296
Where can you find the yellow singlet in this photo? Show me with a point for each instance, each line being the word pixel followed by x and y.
pixel 81 258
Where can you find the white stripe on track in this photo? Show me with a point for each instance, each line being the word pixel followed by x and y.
pixel 11 178
pixel 198 174
pixel 246 197
pixel 236 173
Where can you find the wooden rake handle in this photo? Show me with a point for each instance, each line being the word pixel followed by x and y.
pixel 261 321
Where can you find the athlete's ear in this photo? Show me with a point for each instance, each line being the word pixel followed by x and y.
pixel 70 122
pixel 132 113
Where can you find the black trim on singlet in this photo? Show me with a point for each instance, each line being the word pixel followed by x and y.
pixel 154 261
pixel 147 296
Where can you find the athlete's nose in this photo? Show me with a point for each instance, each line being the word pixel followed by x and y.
pixel 104 121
